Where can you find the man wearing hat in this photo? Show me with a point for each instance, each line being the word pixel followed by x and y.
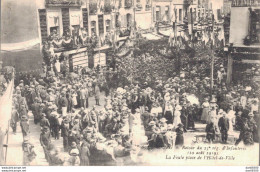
pixel 65 133
pixel 223 124
pixel 63 103
pixel 83 94
pixel 44 121
pixel 179 141
pixel 45 140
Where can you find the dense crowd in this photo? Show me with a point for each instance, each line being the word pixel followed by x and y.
pixel 135 116
pixel 152 113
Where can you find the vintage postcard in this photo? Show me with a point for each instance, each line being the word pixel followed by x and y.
pixel 129 83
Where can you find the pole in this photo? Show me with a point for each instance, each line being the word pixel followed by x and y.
pixel 212 59
pixel 212 73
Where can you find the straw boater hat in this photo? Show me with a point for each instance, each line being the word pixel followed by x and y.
pixel 163 120
pixel 152 123
pixel 178 107
pixel 74 152
pixel 250 114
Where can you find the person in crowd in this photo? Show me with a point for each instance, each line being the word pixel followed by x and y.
pixel 179 141
pixel 63 103
pixel 223 124
pixel 25 125
pixel 14 119
pixel 211 131
pixel 45 140
pixel 97 94
pixel 44 122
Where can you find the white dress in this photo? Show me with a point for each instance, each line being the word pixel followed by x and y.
pixel 177 118
pixel 57 66
pixel 138 133
pixel 231 116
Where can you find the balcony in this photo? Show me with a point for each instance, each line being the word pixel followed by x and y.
pixel 63 3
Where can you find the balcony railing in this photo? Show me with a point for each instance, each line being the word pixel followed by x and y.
pixel 188 2
pixel 63 3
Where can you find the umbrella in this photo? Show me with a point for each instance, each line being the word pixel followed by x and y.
pixel 193 99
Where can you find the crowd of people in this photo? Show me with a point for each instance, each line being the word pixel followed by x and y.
pixel 134 116
pixel 153 113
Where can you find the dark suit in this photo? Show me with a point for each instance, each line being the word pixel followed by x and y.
pixel 223 124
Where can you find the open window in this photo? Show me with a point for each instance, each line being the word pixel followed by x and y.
pixel 54 30
pixel 93 27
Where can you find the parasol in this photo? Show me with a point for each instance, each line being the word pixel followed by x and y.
pixel 193 99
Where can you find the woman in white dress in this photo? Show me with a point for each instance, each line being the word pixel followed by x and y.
pixel 231 116
pixel 177 116
pixel 138 133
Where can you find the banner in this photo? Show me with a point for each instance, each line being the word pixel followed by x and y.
pixel 20 46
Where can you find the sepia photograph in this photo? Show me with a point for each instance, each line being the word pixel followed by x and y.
pixel 129 83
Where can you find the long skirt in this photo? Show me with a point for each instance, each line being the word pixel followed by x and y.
pixel 205 113
pixel 169 117
pixel 64 111
pixel 179 140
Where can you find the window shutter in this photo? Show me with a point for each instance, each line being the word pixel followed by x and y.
pixel 65 18
pixel 43 24
pixel 85 18
pixel 101 24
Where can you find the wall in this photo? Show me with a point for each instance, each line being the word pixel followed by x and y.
pixel 238 25
pixel 19 24
pixel 144 20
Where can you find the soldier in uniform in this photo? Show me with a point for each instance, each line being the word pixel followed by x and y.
pixel 65 134
pixel 45 140
pixel 24 125
pixel 44 122
pixel 14 119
